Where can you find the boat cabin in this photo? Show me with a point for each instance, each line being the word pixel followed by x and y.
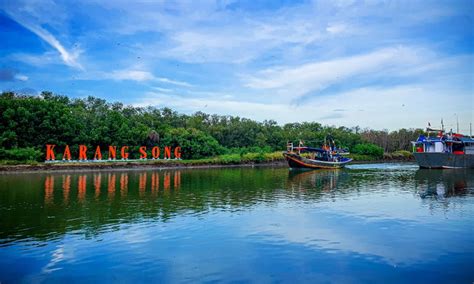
pixel 444 143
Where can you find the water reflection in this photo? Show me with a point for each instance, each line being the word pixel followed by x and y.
pixel 110 179
pixel 324 180
pixel 96 201
pixel 66 187
pixel 444 183
pixel 375 221
pixel 48 190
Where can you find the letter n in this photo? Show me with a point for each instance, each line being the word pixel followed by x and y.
pixel 167 152
pixel 112 152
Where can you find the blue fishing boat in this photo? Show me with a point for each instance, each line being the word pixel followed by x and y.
pixel 444 150
pixel 326 157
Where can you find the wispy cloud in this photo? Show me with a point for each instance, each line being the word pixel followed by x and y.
pixel 139 76
pixel 42 60
pixel 299 80
pixel 382 108
pixel 173 82
pixel 11 75
pixel 69 57
pixel 133 75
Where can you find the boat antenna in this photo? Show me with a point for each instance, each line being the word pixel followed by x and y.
pixel 457 123
pixel 470 129
pixel 442 125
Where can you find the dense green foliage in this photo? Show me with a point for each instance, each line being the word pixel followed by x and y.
pixel 21 154
pixel 368 149
pixel 28 123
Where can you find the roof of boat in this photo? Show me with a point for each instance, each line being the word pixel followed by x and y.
pixel 466 139
pixel 455 139
pixel 311 149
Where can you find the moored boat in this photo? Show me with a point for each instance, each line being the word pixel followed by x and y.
pixel 326 157
pixel 444 150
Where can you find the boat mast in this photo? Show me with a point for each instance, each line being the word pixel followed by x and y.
pixel 457 124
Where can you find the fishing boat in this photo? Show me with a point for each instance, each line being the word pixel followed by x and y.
pixel 444 150
pixel 327 157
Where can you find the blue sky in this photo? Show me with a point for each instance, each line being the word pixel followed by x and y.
pixel 378 64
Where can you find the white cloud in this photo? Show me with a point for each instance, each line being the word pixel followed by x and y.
pixel 42 60
pixel 336 28
pixel 299 80
pixel 407 106
pixel 21 77
pixel 70 58
pixel 133 75
pixel 173 82
pixel 164 90
pixel 139 76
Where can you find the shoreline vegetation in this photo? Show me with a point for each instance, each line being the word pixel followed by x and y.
pixel 29 123
pixel 248 159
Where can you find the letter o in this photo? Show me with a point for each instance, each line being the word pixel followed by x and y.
pixel 155 152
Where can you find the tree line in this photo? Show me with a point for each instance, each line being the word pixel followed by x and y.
pixel 28 123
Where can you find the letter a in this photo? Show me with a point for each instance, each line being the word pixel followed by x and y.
pixel 98 154
pixel 67 153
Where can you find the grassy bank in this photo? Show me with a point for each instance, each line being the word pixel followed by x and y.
pixel 222 160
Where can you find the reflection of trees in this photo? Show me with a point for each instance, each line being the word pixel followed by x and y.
pixel 444 183
pixel 45 206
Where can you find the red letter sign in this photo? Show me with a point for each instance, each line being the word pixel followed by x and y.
pixel 167 152
pixel 155 152
pixel 82 152
pixel 123 153
pixel 50 152
pixel 98 154
pixel 112 152
pixel 67 153
pixel 142 152
pixel 177 152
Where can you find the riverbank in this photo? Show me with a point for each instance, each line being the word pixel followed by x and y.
pixel 138 165
pixel 160 164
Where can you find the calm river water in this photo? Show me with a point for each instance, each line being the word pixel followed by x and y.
pixel 367 223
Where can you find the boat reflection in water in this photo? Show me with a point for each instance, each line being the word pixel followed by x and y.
pixel 324 180
pixel 444 183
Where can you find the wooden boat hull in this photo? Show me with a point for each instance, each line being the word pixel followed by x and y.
pixel 297 161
